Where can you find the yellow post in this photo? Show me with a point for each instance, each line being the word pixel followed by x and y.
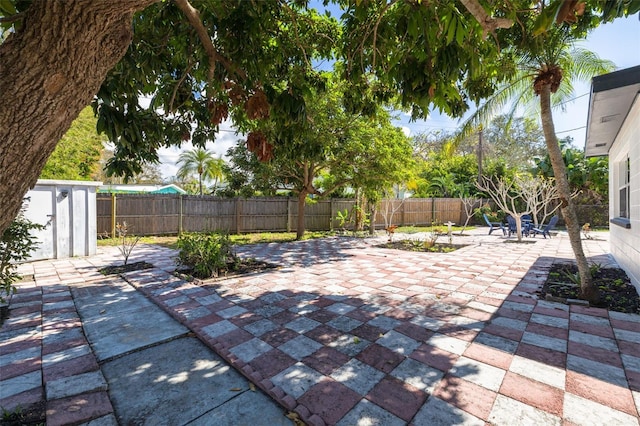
pixel 113 215
pixel 180 222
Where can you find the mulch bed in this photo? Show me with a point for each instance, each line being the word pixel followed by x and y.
pixel 616 291
pixel 121 269
pixel 243 267
pixel 34 414
pixel 420 246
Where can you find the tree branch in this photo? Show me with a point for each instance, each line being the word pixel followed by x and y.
pixel 178 84
pixel 295 31
pixel 488 23
pixel 193 16
pixel 375 30
pixel 12 18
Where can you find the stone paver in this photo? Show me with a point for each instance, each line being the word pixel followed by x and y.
pixel 345 332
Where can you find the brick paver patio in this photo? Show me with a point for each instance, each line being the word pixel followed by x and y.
pixel 344 332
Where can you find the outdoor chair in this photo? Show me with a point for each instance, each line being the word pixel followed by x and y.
pixel 494 225
pixel 525 225
pixel 511 225
pixel 544 230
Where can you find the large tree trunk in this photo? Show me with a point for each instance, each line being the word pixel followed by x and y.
pixel 587 288
pixel 302 201
pixel 50 69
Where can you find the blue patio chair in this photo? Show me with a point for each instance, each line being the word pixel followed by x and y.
pixel 494 225
pixel 545 229
pixel 525 225
pixel 511 225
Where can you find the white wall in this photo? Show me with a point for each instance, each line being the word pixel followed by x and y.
pixel 625 243
pixel 69 208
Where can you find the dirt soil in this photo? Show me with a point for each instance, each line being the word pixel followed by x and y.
pixel 420 246
pixel 244 267
pixel 616 291
pixel 32 415
pixel 121 269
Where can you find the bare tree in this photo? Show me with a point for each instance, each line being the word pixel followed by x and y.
pixel 541 195
pixel 508 197
pixel 389 207
pixel 468 203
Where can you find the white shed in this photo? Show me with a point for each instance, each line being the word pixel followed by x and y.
pixel 69 208
pixel 613 129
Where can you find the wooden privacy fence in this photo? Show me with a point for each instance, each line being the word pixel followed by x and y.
pixel 170 214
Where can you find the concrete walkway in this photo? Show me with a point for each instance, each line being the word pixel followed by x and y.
pixel 342 333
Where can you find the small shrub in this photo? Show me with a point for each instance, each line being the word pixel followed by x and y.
pixel 491 215
pixel 206 254
pixel 127 242
pixel 16 245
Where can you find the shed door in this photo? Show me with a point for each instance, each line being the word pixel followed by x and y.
pixel 49 205
pixel 40 210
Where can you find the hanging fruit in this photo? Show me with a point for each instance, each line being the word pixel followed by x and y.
pixel 257 106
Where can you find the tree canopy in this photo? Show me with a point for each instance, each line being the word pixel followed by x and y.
pixel 340 147
pixel 199 64
pixel 201 163
pixel 77 155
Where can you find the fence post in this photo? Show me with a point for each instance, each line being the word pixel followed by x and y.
pixel 113 215
pixel 180 220
pixel 402 213
pixel 330 214
pixel 238 214
pixel 288 214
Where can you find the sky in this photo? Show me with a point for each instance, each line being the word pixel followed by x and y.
pixel 618 41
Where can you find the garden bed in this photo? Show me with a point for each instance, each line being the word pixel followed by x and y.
pixel 616 291
pixel 233 269
pixel 121 269
pixel 34 414
pixel 421 246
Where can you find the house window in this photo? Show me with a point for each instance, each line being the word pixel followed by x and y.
pixel 621 203
pixel 624 189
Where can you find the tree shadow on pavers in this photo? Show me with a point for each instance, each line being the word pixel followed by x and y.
pixel 156 371
pixel 117 319
pixel 339 357
pixel 183 382
pixel 307 252
pixel 24 337
pixel 562 346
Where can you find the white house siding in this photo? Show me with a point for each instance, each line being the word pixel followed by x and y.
pixel 625 243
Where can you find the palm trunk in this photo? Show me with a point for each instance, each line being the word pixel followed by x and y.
pixel 587 289
pixel 200 183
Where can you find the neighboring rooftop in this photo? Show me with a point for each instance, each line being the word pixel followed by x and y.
pixel 611 98
pixel 142 189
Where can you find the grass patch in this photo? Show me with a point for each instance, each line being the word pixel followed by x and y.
pixel 276 237
pixel 165 241
pixel 442 229
pixel 242 239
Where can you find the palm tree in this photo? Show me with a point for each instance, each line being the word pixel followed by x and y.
pixel 201 162
pixel 548 64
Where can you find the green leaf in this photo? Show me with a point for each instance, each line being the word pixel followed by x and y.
pixel 451 31
pixel 461 33
pixel 545 19
pixel 7 8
